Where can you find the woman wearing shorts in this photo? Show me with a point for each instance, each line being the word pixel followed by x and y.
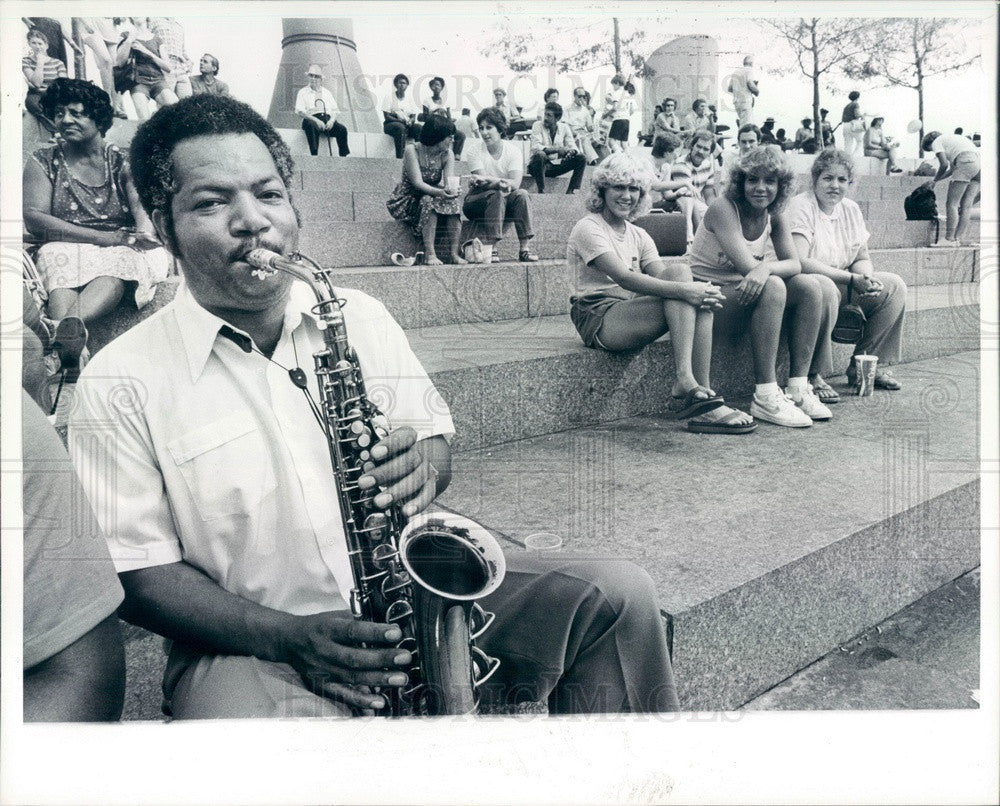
pixel 626 297
pixel 958 160
pixel 151 69
pixel 744 244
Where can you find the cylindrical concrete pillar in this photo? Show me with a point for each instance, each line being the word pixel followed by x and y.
pixel 683 69
pixel 330 44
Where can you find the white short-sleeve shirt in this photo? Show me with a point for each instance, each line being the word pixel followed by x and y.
pixel 952 145
pixel 307 98
pixel 592 237
pixel 191 449
pixel 403 106
pixel 834 239
pixel 511 159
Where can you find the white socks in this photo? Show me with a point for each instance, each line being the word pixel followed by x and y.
pixel 797 384
pixel 763 389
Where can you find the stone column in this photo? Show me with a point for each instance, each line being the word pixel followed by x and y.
pixel 685 69
pixel 329 43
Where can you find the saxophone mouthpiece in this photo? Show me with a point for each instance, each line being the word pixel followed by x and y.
pixel 266 263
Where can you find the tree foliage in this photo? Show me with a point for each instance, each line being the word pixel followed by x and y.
pixel 910 51
pixel 823 47
pixel 568 44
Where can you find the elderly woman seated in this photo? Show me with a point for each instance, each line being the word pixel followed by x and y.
pixel 79 201
pixel 626 297
pixel 831 240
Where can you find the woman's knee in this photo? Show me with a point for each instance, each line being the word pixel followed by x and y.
pixel 774 293
pixel 893 284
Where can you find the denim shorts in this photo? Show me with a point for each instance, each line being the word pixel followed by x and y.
pixel 587 313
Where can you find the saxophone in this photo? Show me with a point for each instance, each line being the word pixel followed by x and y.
pixel 422 574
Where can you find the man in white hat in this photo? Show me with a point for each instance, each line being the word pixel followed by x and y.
pixel 316 106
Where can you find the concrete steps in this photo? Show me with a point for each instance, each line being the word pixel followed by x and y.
pixel 767 550
pixel 525 377
pixel 429 296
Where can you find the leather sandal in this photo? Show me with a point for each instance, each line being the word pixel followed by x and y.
pixel 884 379
pixel 823 390
pixel 527 256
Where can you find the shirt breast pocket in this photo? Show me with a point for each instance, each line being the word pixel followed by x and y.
pixel 226 466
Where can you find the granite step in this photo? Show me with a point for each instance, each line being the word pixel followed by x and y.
pixel 363 243
pixel 429 296
pixel 767 550
pixel 525 377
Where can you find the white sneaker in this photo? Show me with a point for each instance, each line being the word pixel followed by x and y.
pixel 778 408
pixel 810 404
pixel 945 243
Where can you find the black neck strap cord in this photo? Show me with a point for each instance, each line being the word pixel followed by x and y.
pixel 297 375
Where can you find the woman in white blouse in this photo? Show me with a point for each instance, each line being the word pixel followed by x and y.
pixel 495 196
pixel 831 239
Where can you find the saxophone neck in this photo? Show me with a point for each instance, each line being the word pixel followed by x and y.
pixel 299 267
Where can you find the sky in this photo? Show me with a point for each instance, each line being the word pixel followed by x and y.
pixel 423 39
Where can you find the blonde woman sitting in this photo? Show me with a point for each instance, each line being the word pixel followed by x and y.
pixel 627 297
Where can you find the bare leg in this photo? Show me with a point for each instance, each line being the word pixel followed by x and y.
pixel 765 329
pixel 955 192
pixel 964 207
pixel 165 98
pixel 807 312
pixel 453 226
pixel 99 297
pixel 429 233
pixel 141 101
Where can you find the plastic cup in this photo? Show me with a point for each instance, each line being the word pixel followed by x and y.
pixel 543 541
pixel 865 383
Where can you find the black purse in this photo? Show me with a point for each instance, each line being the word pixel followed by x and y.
pixel 850 326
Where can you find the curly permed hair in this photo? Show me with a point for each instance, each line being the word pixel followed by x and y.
pixel 829 157
pixel 620 169
pixel 96 103
pixel 762 161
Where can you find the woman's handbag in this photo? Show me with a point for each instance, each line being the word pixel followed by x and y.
pixel 473 251
pixel 124 75
pixel 850 326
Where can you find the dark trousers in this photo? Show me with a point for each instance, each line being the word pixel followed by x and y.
pixel 489 210
pixel 397 131
pixel 338 132
pixel 539 167
pixel 33 103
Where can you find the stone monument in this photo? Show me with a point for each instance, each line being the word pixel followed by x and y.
pixel 328 42
pixel 684 69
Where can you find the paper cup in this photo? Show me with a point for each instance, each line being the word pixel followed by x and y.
pixel 543 541
pixel 865 383
pixel 454 182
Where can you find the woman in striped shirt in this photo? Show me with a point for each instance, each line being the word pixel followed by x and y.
pixel 40 70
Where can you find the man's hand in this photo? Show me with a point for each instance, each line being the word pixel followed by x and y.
pixel 752 285
pixel 325 649
pixel 868 286
pixel 401 472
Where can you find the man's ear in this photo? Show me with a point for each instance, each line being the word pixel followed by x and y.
pixel 159 219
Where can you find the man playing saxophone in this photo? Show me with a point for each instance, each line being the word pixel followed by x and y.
pixel 198 448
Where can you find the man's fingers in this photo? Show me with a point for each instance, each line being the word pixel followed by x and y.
pixel 354 631
pixel 400 440
pixel 405 488
pixel 423 500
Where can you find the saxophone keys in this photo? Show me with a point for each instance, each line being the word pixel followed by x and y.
pixel 357 427
pixel 484 666
pixel 400 610
pixel 382 555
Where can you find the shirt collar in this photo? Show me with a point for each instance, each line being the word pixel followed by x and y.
pixel 838 208
pixel 199 328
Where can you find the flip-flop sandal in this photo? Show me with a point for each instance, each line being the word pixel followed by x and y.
pixel 690 405
pixel 886 380
pixel 825 392
pixel 724 425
